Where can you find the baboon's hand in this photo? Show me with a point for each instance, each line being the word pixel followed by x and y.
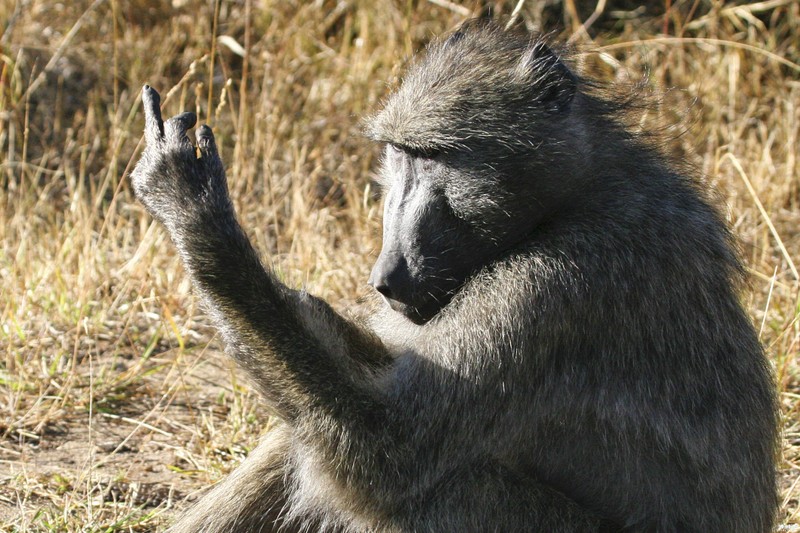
pixel 174 184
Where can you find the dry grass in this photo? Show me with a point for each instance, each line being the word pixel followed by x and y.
pixel 115 409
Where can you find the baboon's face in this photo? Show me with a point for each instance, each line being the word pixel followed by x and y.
pixel 480 148
pixel 446 215
pixel 418 266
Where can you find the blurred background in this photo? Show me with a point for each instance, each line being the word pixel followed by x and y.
pixel 117 404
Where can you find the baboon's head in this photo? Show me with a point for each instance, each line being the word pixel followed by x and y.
pixel 480 150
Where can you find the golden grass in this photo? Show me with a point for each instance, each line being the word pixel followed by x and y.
pixel 115 409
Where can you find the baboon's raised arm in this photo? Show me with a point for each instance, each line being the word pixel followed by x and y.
pixel 298 351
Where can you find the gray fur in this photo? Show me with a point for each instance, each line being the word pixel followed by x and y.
pixel 567 351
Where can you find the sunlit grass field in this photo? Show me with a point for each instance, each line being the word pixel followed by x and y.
pixel 118 407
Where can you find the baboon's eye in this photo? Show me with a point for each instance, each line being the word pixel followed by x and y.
pixel 394 149
pixel 421 153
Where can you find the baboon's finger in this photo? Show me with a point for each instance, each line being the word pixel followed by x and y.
pixel 153 125
pixel 175 128
pixel 206 143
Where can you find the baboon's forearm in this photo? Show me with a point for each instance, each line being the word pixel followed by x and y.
pixel 296 348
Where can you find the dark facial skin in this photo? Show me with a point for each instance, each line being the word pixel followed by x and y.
pixel 436 207
pixel 418 268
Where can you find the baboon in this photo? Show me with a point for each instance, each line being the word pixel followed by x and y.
pixel 560 345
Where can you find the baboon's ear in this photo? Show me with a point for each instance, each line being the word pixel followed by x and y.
pixel 553 83
pixel 473 25
pixel 454 37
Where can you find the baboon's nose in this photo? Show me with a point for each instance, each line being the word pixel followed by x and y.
pixel 390 276
pixel 383 289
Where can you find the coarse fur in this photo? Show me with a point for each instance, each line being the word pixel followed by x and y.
pixel 561 346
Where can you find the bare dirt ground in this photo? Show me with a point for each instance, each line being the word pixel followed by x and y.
pixel 150 447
